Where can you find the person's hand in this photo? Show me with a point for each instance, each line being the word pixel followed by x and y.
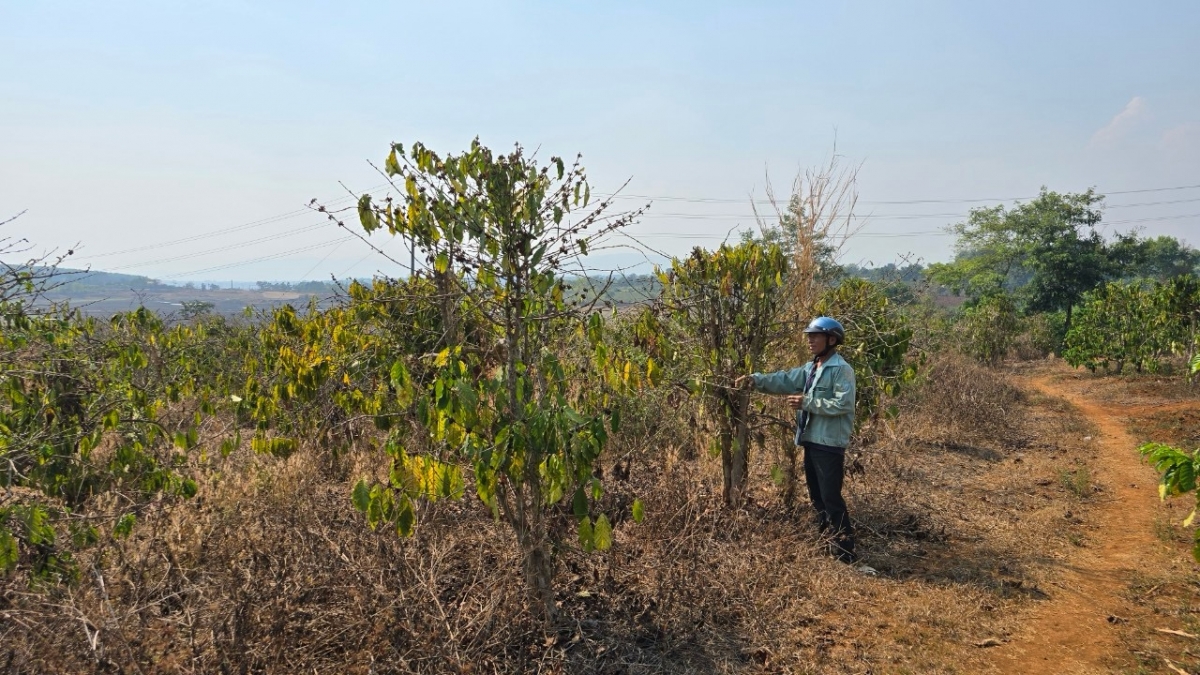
pixel 795 401
pixel 743 381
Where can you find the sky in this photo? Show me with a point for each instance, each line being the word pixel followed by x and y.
pixel 182 140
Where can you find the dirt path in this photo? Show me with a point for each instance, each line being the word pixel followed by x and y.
pixel 1073 632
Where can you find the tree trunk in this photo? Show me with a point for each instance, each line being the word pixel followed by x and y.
pixel 448 305
pixel 1066 325
pixel 725 438
pixel 735 446
pixel 539 576
pixel 537 567
pixel 789 473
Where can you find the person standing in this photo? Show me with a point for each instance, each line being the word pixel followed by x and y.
pixel 822 394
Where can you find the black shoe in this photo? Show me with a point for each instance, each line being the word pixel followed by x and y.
pixel 822 523
pixel 843 551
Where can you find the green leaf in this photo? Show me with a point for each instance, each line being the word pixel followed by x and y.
pixel 579 503
pixel 405 518
pixel 777 476
pixel 638 511
pixel 441 263
pixel 124 525
pixel 615 419
pixel 361 497
pixel 188 488
pixel 366 214
pixel 9 553
pixel 602 532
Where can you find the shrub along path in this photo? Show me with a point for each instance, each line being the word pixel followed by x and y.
pixel 1087 625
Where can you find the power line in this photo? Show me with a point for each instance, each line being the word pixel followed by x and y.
pixel 197 237
pixel 228 247
pixel 698 200
pixel 245 226
pixel 873 235
pixel 274 256
pixel 323 259
pixel 890 216
pixel 681 216
pixel 727 200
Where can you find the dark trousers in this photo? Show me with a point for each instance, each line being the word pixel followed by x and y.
pixel 824 471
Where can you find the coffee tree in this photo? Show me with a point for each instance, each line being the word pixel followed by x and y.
pixel 1136 323
pixel 725 306
pixel 497 232
pixel 877 345
pixel 89 408
pixel 987 330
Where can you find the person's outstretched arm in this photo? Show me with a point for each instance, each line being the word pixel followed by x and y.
pixel 780 382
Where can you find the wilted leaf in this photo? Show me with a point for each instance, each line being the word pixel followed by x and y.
pixel 602 532
pixel 391 165
pixel 587 539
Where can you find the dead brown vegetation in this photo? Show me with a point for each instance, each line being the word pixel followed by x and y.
pixel 270 570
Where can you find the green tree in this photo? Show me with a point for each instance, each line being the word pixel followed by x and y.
pixel 499 232
pixel 726 306
pixel 1135 322
pixel 1046 252
pixel 1159 258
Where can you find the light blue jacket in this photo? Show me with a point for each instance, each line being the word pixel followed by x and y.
pixel 830 403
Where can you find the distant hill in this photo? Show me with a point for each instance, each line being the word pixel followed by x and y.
pixel 76 281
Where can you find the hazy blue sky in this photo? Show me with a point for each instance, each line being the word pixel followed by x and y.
pixel 131 125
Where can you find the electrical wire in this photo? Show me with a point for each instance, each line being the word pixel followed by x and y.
pixel 273 256
pixel 651 215
pixel 236 228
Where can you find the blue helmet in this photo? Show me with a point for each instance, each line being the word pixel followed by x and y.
pixel 827 325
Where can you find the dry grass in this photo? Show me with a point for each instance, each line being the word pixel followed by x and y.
pixel 270 570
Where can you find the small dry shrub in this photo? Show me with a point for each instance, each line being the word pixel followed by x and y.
pixel 960 400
